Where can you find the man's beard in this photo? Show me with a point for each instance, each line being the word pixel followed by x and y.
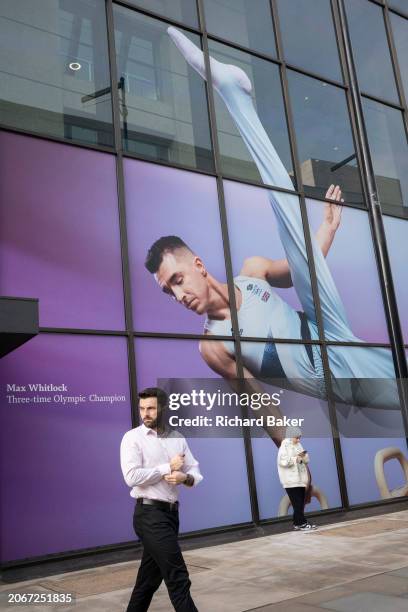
pixel 151 424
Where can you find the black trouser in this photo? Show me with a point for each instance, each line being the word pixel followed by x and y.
pixel 162 560
pixel 297 498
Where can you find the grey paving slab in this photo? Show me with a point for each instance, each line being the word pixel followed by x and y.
pixel 402 571
pixel 367 602
pixel 286 606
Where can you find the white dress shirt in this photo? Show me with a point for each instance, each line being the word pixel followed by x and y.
pixel 145 459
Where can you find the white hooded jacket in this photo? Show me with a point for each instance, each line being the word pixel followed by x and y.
pixel 291 472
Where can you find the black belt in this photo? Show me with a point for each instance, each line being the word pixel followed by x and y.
pixel 157 502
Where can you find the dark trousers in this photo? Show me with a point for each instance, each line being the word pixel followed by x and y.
pixel 162 560
pixel 297 499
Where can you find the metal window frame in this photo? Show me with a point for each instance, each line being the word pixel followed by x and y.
pixel 372 208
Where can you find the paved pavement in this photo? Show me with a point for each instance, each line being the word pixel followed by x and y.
pixel 354 566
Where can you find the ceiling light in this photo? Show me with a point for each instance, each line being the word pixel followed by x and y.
pixel 75 66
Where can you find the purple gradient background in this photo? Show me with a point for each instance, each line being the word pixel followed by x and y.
pixel 397 242
pixel 164 201
pixel 352 263
pixel 61 483
pixel 60 233
pixel 222 498
pixel 253 230
pixel 361 483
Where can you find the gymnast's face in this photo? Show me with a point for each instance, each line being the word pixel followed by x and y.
pixel 182 275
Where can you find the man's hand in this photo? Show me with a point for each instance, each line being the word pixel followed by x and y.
pixel 176 462
pixel 175 478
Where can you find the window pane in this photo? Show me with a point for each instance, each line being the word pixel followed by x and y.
pixel 184 11
pixel 60 232
pixel 245 22
pixel 370 49
pixel 389 151
pixel 182 360
pixel 236 153
pixel 369 420
pixel 322 466
pixel 400 32
pixel 307 29
pixel 54 69
pixel 297 400
pixel 271 297
pixel 366 476
pixel 349 288
pixel 163 102
pixel 324 138
pixel 56 446
pixel 168 202
pixel 397 244
pixel 399 4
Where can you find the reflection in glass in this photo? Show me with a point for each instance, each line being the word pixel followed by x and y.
pixel 267 96
pixel 396 231
pixel 184 11
pixel 389 151
pixel 351 262
pixel 400 32
pixel 399 4
pixel 308 36
pixel 324 138
pixel 245 22
pixel 54 69
pixel 163 103
pixel 370 49
pixel 270 303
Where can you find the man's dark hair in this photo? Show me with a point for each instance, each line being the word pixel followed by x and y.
pixel 162 397
pixel 162 246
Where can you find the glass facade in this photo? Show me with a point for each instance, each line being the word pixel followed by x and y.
pixel 162 102
pixel 245 22
pixel 174 225
pixel 307 28
pixel 371 50
pixel 55 69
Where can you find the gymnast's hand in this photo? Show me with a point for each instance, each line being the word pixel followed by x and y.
pixel 331 219
pixel 332 211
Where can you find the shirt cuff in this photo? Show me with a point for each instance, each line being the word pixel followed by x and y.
pixel 197 478
pixel 164 469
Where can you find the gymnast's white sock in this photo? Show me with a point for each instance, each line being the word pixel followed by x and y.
pixel 221 73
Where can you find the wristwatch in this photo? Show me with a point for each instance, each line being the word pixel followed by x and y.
pixel 189 481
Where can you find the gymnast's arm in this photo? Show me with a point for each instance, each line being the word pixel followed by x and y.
pixel 276 271
pixel 223 363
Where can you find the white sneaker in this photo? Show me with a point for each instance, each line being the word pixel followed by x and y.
pixel 308 527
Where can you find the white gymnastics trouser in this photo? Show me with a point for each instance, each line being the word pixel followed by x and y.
pixel 234 87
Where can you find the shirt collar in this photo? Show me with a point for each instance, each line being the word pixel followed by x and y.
pixel 148 431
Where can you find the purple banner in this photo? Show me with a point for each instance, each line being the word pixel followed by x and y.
pixel 62 486
pixel 60 232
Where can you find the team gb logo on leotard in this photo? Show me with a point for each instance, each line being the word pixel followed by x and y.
pixel 257 290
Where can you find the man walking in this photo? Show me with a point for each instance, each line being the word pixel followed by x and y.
pixel 154 461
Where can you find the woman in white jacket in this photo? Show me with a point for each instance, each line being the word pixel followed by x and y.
pixel 294 475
